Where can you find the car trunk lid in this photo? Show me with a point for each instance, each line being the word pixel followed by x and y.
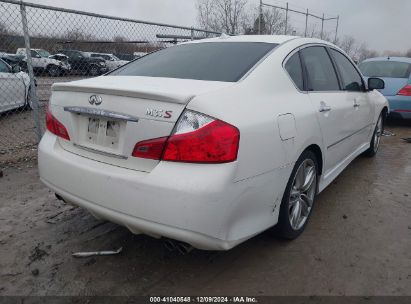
pixel 106 116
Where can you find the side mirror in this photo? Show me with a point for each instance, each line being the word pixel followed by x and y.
pixel 16 69
pixel 375 84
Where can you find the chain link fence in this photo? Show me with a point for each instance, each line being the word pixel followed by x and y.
pixel 41 45
pixel 283 18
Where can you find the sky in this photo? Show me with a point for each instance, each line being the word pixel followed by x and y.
pixel 381 24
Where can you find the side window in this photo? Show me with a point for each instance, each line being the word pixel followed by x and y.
pixel 33 54
pixel 320 70
pixel 352 81
pixel 293 67
pixel 4 68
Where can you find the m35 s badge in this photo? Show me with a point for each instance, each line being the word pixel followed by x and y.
pixel 95 100
pixel 158 113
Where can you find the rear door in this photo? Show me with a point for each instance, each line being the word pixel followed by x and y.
pixel 334 111
pixel 355 93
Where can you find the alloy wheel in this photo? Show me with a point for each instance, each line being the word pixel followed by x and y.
pixel 302 194
pixel 378 134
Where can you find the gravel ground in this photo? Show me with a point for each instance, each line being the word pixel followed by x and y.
pixel 357 243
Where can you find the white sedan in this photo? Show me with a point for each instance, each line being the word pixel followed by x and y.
pixel 112 62
pixel 14 88
pixel 214 141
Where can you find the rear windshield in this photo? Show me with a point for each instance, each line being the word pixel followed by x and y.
pixel 214 61
pixel 389 69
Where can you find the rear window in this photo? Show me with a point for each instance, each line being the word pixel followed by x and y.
pixel 214 61
pixel 388 69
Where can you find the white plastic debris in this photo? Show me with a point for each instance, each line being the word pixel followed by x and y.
pixel 96 253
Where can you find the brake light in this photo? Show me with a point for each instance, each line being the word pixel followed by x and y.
pixel 56 127
pixel 405 91
pixel 197 138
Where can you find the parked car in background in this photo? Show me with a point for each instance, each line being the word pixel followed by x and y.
pixel 124 56
pixel 43 64
pixel 112 62
pixel 211 142
pixel 396 73
pixel 14 60
pixel 64 59
pixel 82 63
pixel 14 87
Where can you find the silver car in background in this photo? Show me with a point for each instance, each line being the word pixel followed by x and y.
pixel 112 62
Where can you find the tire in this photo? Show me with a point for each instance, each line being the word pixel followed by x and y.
pixel 299 196
pixel 94 70
pixel 53 70
pixel 376 137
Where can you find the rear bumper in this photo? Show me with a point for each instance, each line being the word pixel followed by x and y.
pixel 197 204
pixel 141 226
pixel 400 106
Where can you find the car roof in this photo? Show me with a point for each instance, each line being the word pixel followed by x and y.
pixel 399 59
pixel 277 39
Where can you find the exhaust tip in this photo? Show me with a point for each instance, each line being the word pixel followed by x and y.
pixel 182 248
pixel 169 244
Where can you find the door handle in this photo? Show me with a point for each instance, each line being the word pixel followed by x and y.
pixel 324 108
pixel 356 104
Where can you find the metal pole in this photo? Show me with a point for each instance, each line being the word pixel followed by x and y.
pixel 192 34
pixel 286 20
pixel 306 24
pixel 33 94
pixel 260 17
pixel 322 26
pixel 336 29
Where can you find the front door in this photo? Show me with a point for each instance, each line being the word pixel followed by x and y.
pixel 356 95
pixel 334 111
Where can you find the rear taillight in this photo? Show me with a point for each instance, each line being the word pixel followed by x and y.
pixel 405 91
pixel 56 127
pixel 151 149
pixel 197 138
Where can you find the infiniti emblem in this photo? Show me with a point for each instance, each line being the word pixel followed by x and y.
pixel 95 99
